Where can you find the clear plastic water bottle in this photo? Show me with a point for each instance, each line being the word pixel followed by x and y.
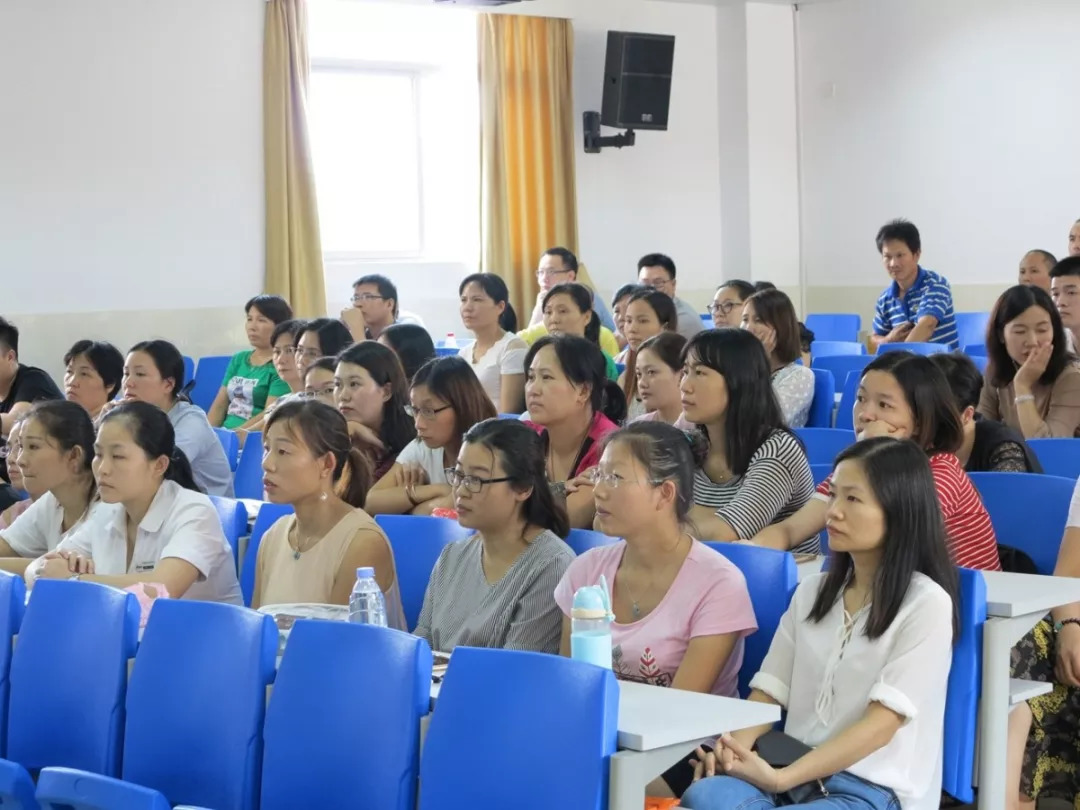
pixel 450 342
pixel 367 605
pixel 590 625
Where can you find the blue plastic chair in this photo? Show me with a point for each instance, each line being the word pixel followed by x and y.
pixel 1028 512
pixel 417 542
pixel 980 361
pixel 821 472
pixel 965 681
pixel 581 540
pixel 573 742
pixel 189 369
pixel 833 348
pixel 230 443
pixel 841 365
pixel 845 418
pixel 834 326
pixel 312 757
pixel 821 406
pixel 12 606
pixel 209 375
pixel 69 677
pixel 269 514
pixel 234 522
pixel 971 328
pixel 975 350
pixel 771 578
pixel 509 415
pixel 1059 457
pixel 16 787
pixel 824 444
pixel 706 320
pixel 247 479
pixel 925 349
pixel 69 789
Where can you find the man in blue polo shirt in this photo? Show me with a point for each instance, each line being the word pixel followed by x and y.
pixel 917 307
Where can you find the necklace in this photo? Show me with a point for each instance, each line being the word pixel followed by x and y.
pixel 635 602
pixel 298 546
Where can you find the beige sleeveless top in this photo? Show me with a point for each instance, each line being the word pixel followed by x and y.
pixel 286 579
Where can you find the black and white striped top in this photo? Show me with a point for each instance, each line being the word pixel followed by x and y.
pixel 775 486
pixel 516 613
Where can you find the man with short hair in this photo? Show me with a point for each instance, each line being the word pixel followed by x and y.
pixel 1065 290
pixel 20 387
pixel 560 266
pixel 374 307
pixel 1035 269
pixel 917 307
pixel 658 271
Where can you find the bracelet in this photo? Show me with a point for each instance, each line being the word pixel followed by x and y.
pixel 1059 625
pixel 1023 398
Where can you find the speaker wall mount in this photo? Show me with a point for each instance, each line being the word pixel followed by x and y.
pixel 594 141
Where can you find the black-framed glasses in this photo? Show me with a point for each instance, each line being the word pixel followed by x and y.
pixel 470 483
pixel 724 308
pixel 359 299
pixel 551 273
pixel 426 413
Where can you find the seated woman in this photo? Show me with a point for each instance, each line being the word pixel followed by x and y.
pixel 599 333
pixel 988 446
pixel 756 472
pixel 497 356
pixel 1033 385
pixel 11 453
pixel 321 337
pixel 681 610
pixel 251 383
pixel 572 405
pixel 446 399
pixel 649 312
pixel 658 369
pixel 861 658
pixel 494 589
pixel 93 371
pixel 770 317
pixel 312 555
pixel 154 373
pixel 728 303
pixel 371 392
pixel 618 311
pixel 154 526
pixel 568 310
pixel 283 344
pixel 411 343
pixel 319 381
pixel 904 396
pixel 55 452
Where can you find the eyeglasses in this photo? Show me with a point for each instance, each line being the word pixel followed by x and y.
pixel 656 283
pixel 470 483
pixel 550 273
pixel 309 354
pixel 359 299
pixel 724 308
pixel 316 393
pixel 610 480
pixel 426 413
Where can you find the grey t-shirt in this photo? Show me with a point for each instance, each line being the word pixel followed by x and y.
pixel 203 449
pixel 689 320
pixel 516 613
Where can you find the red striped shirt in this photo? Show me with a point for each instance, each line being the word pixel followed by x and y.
pixel 972 542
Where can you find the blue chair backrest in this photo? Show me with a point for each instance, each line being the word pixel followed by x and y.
pixel 247 480
pixel 230 443
pixel 771 578
pixel 572 715
pixel 915 348
pixel 581 540
pixel 196 701
pixel 820 472
pixel 234 521
pixel 832 348
pixel 706 320
pixel 509 415
pixel 842 364
pixel 845 420
pixel 971 328
pixel 209 375
pixel 821 407
pixel 975 350
pixel 12 605
pixel 824 444
pixel 189 370
pixel 834 325
pixel 1058 456
pixel 417 542
pixel 962 699
pixel 69 676
pixel 68 789
pixel 269 514
pixel 981 362
pixel 363 753
pixel 1010 498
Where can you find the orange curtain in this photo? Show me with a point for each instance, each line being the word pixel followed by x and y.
pixel 294 266
pixel 528 197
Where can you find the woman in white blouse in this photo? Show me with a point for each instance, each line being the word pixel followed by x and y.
pixel 861 658
pixel 771 318
pixel 497 355
pixel 154 526
pixel 56 448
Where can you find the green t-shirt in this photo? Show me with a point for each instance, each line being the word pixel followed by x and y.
pixel 249 387
pixel 612 369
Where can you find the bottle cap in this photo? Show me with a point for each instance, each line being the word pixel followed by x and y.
pixel 365 573
pixel 592 602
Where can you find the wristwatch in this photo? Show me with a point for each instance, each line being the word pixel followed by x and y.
pixel 75 576
pixel 1063 622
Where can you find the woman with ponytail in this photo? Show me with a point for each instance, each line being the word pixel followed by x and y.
pixel 153 526
pixel 312 555
pixel 568 311
pixel 649 313
pixel 497 355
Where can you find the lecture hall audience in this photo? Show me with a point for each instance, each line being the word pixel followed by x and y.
pixel 375 306
pixel 93 371
pixel 728 303
pixel 658 271
pixel 770 317
pixel 411 343
pixel 559 265
pixel 658 369
pixel 618 309
pixel 497 356
pixel 568 311
pixel 648 313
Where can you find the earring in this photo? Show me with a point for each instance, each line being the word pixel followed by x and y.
pixel 324 495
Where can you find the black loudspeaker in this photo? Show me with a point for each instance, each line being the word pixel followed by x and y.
pixel 637 80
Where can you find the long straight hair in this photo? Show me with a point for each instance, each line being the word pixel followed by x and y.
pixel 1001 368
pixel 385 369
pixel 453 380
pixel 898 472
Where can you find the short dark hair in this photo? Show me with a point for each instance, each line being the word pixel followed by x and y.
pixel 938 428
pixel 899 230
pixel 9 335
pixel 775 309
pixel 1069 266
pixel 273 307
pixel 582 297
pixel 386 287
pixel 1000 368
pixel 1046 256
pixel 568 258
pixel 495 289
pixel 668 346
pixel 623 291
pixel 657 260
pixel 334 336
pixel 411 343
pixel 963 376
pixel 744 288
pixel 104 357
pixel 327 362
pixel 660 304
pixel 762 286
pixel 583 364
pixel 292 328
pixel 453 380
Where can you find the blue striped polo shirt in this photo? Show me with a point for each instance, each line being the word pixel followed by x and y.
pixel 929 295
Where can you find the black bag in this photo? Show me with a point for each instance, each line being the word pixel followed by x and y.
pixel 780 750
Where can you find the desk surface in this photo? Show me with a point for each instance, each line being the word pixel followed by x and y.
pixel 1009 595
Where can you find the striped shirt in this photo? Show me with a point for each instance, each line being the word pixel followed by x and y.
pixel 929 295
pixel 972 541
pixel 516 613
pixel 775 486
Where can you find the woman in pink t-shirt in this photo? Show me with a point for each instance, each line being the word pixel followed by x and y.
pixel 681 609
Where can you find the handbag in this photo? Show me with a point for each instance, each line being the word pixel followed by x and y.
pixel 780 750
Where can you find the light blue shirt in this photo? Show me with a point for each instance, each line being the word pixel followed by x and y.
pixel 204 452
